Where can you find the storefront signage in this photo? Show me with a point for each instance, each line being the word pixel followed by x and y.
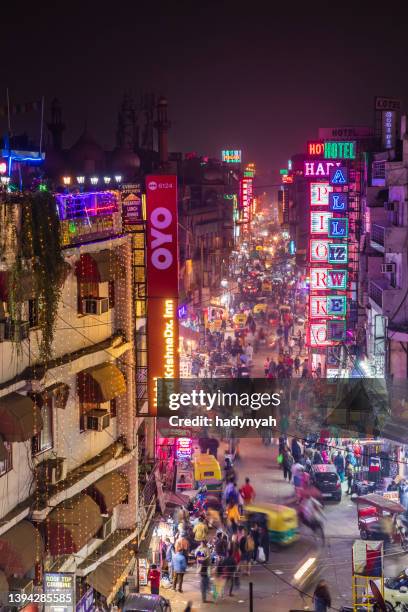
pixel 319 250
pixel 387 104
pixel 231 156
pixel 319 222
pixel 61 585
pixel 319 194
pixel 338 149
pixel 345 133
pixel 388 129
pixel 327 278
pixel 318 334
pixel 184 449
pixel 315 148
pixel 328 306
pixel 162 282
pixel 338 253
pixel 245 190
pixel 319 168
pixel 338 228
pixel 338 176
pixel 131 199
pixel 338 201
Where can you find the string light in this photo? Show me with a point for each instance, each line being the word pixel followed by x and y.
pixel 94 180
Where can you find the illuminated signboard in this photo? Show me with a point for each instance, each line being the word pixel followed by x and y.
pixel 319 222
pixel 231 156
pixel 338 201
pixel 338 228
pixel 162 281
pixel 319 250
pixel 337 253
pixel 250 170
pixel 338 149
pixel 184 449
pixel 319 194
pixel 328 278
pixel 284 171
pixel 287 179
pixel 319 168
pixel 389 119
pixel 338 176
pixel 337 305
pixel 336 330
pixel 3 167
pixel 60 586
pixel 315 148
pixel 132 208
pixel 318 334
pixel 90 204
pixel 245 185
pixel 327 306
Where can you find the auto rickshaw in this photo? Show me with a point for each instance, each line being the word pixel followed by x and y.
pixel 239 320
pixel 207 473
pixel 280 521
pixel 377 518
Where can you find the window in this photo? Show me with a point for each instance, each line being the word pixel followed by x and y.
pixel 45 439
pixel 33 313
pixel 86 290
pixel 7 464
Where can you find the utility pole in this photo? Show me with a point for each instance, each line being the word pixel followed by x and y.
pixel 251 597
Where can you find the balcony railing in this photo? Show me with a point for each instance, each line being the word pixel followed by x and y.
pixel 376 293
pixel 378 234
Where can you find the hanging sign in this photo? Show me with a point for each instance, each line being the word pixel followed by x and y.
pixel 338 201
pixel 319 194
pixel 319 222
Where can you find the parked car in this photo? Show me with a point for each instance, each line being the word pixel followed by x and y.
pixel 325 478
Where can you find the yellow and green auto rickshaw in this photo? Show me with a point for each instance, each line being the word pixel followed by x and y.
pixel 280 521
pixel 207 472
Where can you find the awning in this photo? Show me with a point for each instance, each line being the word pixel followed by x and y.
pixel 72 524
pixel 110 575
pixel 96 267
pixel 175 499
pixel 109 491
pixel 20 418
pixel 21 547
pixel 101 383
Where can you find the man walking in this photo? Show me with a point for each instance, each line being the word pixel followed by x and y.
pixel 247 492
pixel 204 579
pixel 179 569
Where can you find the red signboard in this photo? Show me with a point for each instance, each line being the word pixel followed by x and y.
pixel 162 255
pixel 245 198
pixel 315 148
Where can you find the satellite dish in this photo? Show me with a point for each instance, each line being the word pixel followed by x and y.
pixel 379 599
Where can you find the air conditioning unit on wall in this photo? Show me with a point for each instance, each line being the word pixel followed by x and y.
pixel 96 306
pixel 388 268
pixel 97 419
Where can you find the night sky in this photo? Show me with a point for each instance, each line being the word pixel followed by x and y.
pixel 236 75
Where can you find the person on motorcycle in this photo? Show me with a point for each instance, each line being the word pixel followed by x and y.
pixel 311 513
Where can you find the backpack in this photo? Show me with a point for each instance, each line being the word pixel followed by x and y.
pixel 249 544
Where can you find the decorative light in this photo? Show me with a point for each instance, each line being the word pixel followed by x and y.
pixel 118 178
pixel 107 180
pixel 94 180
pixel 5 180
pixel 66 180
pixel 3 167
pixel 80 180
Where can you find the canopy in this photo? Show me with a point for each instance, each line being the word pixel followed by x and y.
pixel 96 267
pixel 378 501
pixel 101 383
pixel 21 547
pixel 20 418
pixel 110 575
pixel 175 499
pixel 72 524
pixel 110 491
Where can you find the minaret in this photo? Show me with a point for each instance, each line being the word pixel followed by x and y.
pixel 127 135
pixel 162 125
pixel 56 126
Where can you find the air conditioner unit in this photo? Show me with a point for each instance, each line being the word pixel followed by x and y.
pixel 106 528
pixel 16 330
pixel 96 306
pixel 21 586
pixel 388 268
pixel 58 471
pixel 97 419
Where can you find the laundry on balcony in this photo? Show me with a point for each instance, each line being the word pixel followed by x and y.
pixel 101 383
pixel 21 547
pixel 20 418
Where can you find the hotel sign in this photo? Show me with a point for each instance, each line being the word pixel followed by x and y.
pixel 319 168
pixel 319 194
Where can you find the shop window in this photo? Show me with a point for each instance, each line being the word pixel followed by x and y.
pixel 44 440
pixel 33 312
pixel 7 464
pixel 86 290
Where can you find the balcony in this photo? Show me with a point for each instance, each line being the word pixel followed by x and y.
pixel 385 298
pixel 388 238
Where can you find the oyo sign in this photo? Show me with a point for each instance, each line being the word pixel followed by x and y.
pixel 162 250
pixel 328 278
pixel 319 194
pixel 319 168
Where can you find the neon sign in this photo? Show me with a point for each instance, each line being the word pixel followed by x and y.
pixel 318 306
pixel 319 168
pixel 318 278
pixel 231 156
pixel 245 198
pixel 338 228
pixel 337 253
pixel 318 334
pixel 327 306
pixel 336 149
pixel 319 222
pixel 91 204
pixel 319 194
pixel 337 279
pixel 319 250
pixel 328 278
pixel 315 148
pixel 338 201
pixel 338 176
pixel 337 305
pixel 288 179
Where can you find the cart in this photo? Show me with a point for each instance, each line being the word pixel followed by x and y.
pixel 377 517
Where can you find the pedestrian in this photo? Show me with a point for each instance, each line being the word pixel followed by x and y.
pixel 287 463
pixel 220 544
pixel 296 363
pixel 204 572
pixel 246 547
pixel 255 534
pixel 179 569
pixel 247 492
pixel 350 476
pixel 319 370
pixel 264 543
pixel 154 579
pixel 296 450
pixel 202 552
pixel 200 530
pixel 339 463
pixel 321 597
pixel 170 551
pixel 232 513
pixel 266 366
pixel 229 568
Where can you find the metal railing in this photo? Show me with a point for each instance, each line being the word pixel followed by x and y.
pixel 378 234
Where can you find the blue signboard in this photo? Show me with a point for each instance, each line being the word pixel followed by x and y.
pixel 337 228
pixel 182 311
pixel 338 201
pixel 337 305
pixel 338 176
pixel 337 253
